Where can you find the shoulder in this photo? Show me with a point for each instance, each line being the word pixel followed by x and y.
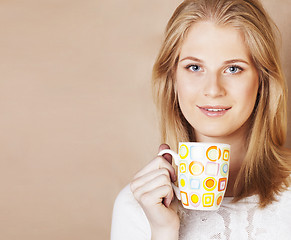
pixel 282 214
pixel 281 209
pixel 128 218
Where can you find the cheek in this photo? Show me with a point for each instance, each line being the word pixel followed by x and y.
pixel 186 94
pixel 188 98
pixel 186 87
pixel 252 90
pixel 248 95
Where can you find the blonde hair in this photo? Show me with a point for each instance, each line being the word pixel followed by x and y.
pixel 266 168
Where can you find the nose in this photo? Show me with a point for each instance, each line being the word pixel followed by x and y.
pixel 213 86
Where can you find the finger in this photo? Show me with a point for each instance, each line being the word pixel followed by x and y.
pixel 147 178
pixel 167 156
pixel 168 199
pixel 157 196
pixel 158 163
pixel 160 180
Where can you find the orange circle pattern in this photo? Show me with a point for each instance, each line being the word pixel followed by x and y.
pixel 209 184
pixel 210 151
pixel 196 168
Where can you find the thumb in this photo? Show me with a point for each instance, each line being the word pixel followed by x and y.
pixel 167 156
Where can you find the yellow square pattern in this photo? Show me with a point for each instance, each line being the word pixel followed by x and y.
pixel 208 199
pixel 184 198
pixel 225 155
pixel 182 167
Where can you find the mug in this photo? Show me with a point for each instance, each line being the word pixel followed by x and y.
pixel 202 174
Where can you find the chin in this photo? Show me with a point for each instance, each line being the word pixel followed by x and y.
pixel 214 134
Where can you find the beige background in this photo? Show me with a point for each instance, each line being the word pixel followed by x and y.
pixel 77 120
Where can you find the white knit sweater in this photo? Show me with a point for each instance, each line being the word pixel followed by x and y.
pixel 235 221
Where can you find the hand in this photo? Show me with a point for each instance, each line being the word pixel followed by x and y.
pixel 152 188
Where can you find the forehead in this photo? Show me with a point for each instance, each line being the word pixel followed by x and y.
pixel 206 39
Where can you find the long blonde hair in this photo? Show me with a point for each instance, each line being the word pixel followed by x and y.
pixel 267 165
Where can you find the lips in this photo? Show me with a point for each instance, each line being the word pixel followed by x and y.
pixel 214 111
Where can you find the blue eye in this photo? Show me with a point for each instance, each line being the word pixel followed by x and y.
pixel 194 68
pixel 234 69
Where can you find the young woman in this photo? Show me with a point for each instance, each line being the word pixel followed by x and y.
pixel 217 78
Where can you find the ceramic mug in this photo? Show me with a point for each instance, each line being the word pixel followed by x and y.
pixel 202 174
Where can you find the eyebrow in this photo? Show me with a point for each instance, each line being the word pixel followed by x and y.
pixel 226 62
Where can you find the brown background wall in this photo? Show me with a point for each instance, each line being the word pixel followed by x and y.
pixel 77 120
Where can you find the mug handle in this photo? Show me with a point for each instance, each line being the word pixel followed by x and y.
pixel 176 161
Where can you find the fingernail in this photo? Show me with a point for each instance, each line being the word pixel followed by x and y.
pixel 175 177
pixel 168 202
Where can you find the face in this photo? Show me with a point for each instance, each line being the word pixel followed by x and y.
pixel 216 81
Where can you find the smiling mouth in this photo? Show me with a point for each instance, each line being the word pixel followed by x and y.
pixel 214 111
